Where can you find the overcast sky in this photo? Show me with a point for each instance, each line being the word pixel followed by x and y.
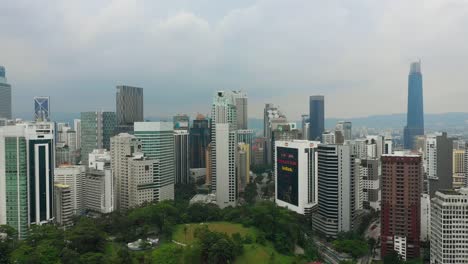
pixel 356 53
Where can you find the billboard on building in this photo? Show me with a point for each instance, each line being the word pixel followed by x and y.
pixel 287 173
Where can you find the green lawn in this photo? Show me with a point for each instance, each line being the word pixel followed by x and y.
pixel 256 253
pixel 223 227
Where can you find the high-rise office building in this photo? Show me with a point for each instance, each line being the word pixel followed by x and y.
pixel 41 108
pixel 401 204
pixel 129 107
pixel 316 117
pixel 243 166
pixel 241 102
pixel 415 115
pixel 199 140
pixel 63 205
pixel 370 176
pixel 157 140
pixel 96 130
pixel 328 137
pixel 458 166
pixel 72 176
pixel 224 149
pixel 296 175
pixel 345 128
pixel 425 217
pixel 182 158
pixel 123 146
pixel 336 190
pixel 5 96
pixel 77 128
pixel 449 227
pixel 99 183
pixel 181 122
pixel 271 114
pixel 27 166
pixel 438 158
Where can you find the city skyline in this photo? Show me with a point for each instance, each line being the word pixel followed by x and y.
pixel 63 56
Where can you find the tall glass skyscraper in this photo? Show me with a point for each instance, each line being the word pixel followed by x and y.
pixel 96 130
pixel 415 115
pixel 316 117
pixel 129 107
pixel 5 95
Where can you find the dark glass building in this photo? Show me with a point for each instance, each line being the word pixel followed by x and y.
pixel 199 140
pixel 415 115
pixel 129 107
pixel 316 117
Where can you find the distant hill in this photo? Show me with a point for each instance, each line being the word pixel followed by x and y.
pixel 394 121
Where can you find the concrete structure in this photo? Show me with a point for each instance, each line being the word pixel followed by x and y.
pixel 258 151
pixel 246 136
pixel 199 140
pixel 182 158
pixel 316 117
pixel 63 205
pixel 369 172
pixel 401 204
pixel 26 175
pixel 77 128
pixel 336 190
pixel 72 176
pixel 459 168
pixel 99 194
pixel 388 146
pixel 143 185
pixel 129 107
pixel 224 149
pixel 99 159
pixel 296 179
pixel 241 102
pixel 449 227
pixel 425 217
pixel 345 128
pixel 415 113
pixel 271 114
pixel 96 130
pixel 41 108
pixel 438 162
pixel 157 140
pixel 328 137
pixel 5 96
pixel 243 166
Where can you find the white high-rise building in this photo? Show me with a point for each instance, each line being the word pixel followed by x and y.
pixel 425 217
pixel 224 149
pixel 182 157
pixel 449 227
pixel 72 176
pixel 63 205
pixel 336 190
pixel 143 185
pixel 296 179
pixel 157 140
pixel 328 137
pixel 438 162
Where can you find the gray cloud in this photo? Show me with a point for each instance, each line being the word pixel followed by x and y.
pixel 357 53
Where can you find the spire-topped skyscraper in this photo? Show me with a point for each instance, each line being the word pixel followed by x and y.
pixel 415 115
pixel 5 95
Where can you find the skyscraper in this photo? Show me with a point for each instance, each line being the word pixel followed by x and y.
pixel 182 158
pixel 438 158
pixel 181 122
pixel 336 190
pixel 224 149
pixel 345 128
pixel 415 115
pixel 63 205
pixel 77 128
pixel 96 131
pixel 27 167
pixel 242 109
pixel 5 95
pixel 73 177
pixel 157 140
pixel 316 117
pixel 129 107
pixel 199 140
pixel 272 118
pixel 41 108
pixel 401 204
pixel 296 175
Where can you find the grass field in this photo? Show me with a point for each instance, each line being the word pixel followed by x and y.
pixel 256 253
pixel 223 227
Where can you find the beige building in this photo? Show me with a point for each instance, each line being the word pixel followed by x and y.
pixel 459 173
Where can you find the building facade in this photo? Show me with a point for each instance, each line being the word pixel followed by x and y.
pixel 336 191
pixel 449 227
pixel 72 176
pixel 438 158
pixel 182 158
pixel 458 166
pixel 96 130
pixel 129 107
pixel 41 108
pixel 401 204
pixel 5 96
pixel 316 117
pixel 63 205
pixel 345 128
pixel 199 140
pixel 241 102
pixel 243 166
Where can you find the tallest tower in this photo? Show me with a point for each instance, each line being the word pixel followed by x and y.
pixel 415 115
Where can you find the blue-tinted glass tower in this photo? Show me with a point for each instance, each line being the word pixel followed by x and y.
pixel 316 117
pixel 415 115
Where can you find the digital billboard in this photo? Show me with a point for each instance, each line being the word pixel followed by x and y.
pixel 287 173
